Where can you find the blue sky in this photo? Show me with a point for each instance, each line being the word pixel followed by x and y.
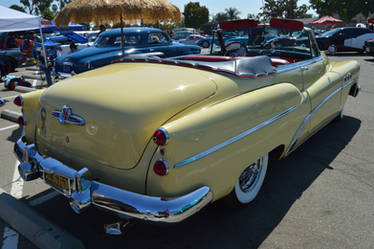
pixel 214 6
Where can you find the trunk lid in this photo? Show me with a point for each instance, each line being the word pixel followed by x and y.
pixel 122 105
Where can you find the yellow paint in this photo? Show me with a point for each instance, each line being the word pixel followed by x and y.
pixel 124 103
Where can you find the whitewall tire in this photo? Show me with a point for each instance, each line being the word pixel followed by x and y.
pixel 250 181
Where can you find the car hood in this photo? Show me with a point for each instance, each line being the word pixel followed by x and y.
pixel 122 104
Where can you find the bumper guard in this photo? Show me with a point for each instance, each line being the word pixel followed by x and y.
pixel 83 193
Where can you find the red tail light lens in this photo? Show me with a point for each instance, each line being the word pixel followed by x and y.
pixel 161 137
pixel 18 101
pixel 21 121
pixel 161 168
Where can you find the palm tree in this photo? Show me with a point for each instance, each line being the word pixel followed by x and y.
pixel 232 13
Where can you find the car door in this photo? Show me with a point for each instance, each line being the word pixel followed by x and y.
pixel 341 38
pixel 322 88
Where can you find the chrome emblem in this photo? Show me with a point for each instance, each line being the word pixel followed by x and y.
pixel 65 116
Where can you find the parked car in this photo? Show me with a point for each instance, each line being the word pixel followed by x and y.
pixel 345 39
pixel 369 47
pixel 191 40
pixel 8 47
pixel 159 139
pixel 107 48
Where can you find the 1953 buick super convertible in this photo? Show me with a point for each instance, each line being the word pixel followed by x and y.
pixel 159 139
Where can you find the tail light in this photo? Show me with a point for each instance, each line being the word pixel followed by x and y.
pixel 161 137
pixel 161 168
pixel 18 101
pixel 21 121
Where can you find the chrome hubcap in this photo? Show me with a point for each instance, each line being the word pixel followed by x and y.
pixel 250 175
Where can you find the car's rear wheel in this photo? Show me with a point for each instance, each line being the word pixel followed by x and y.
pixel 205 44
pixel 250 181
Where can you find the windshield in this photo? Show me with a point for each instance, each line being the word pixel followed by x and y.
pixel 329 33
pixel 271 41
pixel 115 41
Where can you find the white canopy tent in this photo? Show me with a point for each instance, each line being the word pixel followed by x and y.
pixel 13 20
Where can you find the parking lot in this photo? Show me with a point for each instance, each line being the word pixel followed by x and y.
pixel 321 196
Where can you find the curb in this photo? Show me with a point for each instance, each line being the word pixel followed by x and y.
pixel 10 115
pixel 23 89
pixel 33 226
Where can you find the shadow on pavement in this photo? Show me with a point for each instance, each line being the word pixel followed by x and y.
pixel 220 225
pixel 16 134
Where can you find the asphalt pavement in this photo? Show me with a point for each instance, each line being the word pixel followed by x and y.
pixel 321 196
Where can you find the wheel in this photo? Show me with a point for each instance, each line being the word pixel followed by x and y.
pixel 205 44
pixel 250 181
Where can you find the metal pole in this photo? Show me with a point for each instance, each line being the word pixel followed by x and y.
pixel 45 54
pixel 122 38
pixel 46 71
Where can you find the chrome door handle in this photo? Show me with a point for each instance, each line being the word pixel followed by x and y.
pixel 304 68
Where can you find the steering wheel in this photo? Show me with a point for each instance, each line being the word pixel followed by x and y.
pixel 235 49
pixel 279 41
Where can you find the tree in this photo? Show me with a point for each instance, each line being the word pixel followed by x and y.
pixel 284 9
pixel 220 17
pixel 251 16
pixel 48 14
pixel 17 7
pixel 195 15
pixel 344 8
pixel 36 7
pixel 233 13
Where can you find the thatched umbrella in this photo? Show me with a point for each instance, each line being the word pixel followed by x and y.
pixel 118 11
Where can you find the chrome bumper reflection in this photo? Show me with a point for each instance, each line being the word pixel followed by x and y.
pixel 83 193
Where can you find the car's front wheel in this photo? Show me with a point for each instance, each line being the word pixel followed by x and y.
pixel 205 44
pixel 250 181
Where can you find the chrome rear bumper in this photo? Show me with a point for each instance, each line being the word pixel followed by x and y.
pixel 83 193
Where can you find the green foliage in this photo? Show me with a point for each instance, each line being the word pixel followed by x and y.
pixel 233 13
pixel 220 17
pixel 48 14
pixel 346 9
pixel 195 15
pixel 17 7
pixel 284 9
pixel 43 7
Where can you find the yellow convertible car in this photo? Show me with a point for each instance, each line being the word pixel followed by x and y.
pixel 159 139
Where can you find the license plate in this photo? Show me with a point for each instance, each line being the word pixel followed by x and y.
pixel 58 181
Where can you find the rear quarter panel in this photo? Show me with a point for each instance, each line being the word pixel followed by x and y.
pixel 218 123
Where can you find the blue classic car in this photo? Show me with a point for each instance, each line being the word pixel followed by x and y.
pixel 107 48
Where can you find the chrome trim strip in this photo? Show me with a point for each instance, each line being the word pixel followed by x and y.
pixel 65 116
pixel 233 139
pixel 84 193
pixel 298 131
pixel 292 66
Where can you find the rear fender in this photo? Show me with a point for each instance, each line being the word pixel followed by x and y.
pixel 213 145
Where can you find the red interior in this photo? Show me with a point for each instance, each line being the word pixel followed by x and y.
pixel 288 24
pixel 238 24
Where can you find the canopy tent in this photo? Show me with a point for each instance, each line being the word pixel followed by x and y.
pixel 13 20
pixel 326 20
